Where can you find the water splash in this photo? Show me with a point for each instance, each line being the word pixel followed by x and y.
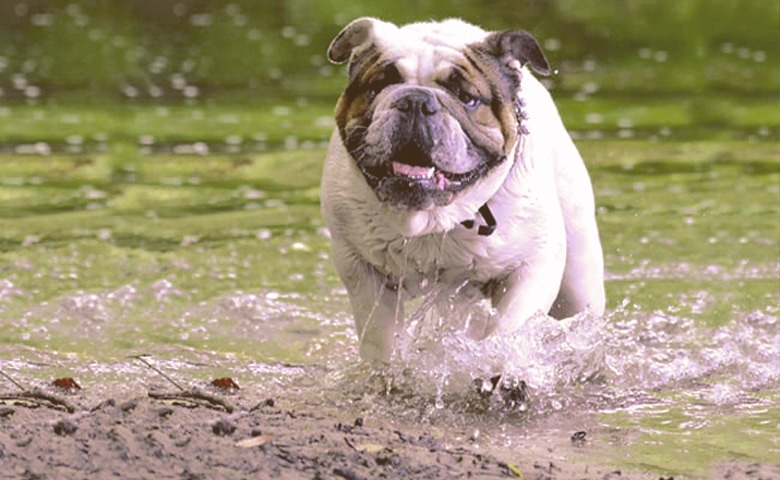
pixel 628 357
pixel 435 355
pixel 651 350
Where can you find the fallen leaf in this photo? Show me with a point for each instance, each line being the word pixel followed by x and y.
pixel 254 441
pixel 516 471
pixel 370 447
pixel 225 383
pixel 66 383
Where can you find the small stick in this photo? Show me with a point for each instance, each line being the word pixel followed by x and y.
pixel 142 360
pixel 18 385
pixel 194 395
pixel 40 394
pixel 37 397
pixel 183 394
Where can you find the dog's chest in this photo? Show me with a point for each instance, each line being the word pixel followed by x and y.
pixel 451 258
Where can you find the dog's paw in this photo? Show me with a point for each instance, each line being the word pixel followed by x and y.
pixel 507 394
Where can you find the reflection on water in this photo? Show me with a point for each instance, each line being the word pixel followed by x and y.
pixel 649 372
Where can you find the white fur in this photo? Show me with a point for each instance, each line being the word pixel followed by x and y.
pixel 544 256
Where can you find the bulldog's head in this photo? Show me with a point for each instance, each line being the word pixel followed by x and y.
pixel 431 109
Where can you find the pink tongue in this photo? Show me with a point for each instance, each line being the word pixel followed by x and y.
pixel 412 171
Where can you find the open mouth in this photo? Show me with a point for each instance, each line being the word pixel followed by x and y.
pixel 413 168
pixel 427 176
pixel 402 175
pixel 410 179
pixel 417 187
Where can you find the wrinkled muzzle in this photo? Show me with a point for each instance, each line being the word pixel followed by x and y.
pixel 416 155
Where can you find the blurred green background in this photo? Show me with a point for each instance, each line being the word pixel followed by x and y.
pixel 139 106
pixel 178 49
pixel 701 52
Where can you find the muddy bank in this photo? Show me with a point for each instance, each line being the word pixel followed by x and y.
pixel 213 436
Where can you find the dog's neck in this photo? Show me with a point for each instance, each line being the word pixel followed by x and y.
pixel 484 211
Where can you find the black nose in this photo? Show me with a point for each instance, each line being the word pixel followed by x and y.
pixel 417 102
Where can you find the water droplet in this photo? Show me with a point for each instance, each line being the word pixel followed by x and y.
pixel 200 148
pixel 300 246
pixel 130 91
pixel 30 240
pixel 288 32
pixel 201 20
pixel 189 240
pixel 291 143
pixel 240 20
pixel 178 82
pixel 228 119
pixel 281 110
pixel 552 44
pixel 254 34
pixel 594 118
pixel 589 65
pixel 590 88
pixel 191 91
pixel 19 81
pixel 32 92
pixel 42 19
pixel 302 40
pixel 155 91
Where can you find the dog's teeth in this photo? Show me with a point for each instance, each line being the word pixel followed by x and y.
pixel 413 172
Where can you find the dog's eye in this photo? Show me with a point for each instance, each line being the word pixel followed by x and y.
pixel 469 100
pixel 372 91
pixel 388 76
pixel 457 83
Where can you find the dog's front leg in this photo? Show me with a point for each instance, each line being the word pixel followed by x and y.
pixel 376 306
pixel 527 291
pixel 377 311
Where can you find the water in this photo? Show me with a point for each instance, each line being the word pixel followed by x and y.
pixel 161 199
pixel 685 360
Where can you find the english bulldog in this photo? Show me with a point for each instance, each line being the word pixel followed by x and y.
pixel 450 166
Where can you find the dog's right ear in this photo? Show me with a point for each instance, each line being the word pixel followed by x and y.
pixel 359 33
pixel 519 46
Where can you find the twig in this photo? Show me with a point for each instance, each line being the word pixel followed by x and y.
pixel 39 397
pixel 36 396
pixel 160 372
pixel 195 396
pixel 7 377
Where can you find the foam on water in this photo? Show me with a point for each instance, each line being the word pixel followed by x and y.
pixel 655 349
pixel 590 360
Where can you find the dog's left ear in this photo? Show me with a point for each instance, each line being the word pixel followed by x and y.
pixel 356 37
pixel 518 48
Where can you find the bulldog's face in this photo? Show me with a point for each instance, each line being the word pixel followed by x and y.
pixel 431 109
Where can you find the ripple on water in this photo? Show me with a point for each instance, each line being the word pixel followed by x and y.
pixel 628 357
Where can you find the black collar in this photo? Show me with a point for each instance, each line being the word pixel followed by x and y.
pixel 490 222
